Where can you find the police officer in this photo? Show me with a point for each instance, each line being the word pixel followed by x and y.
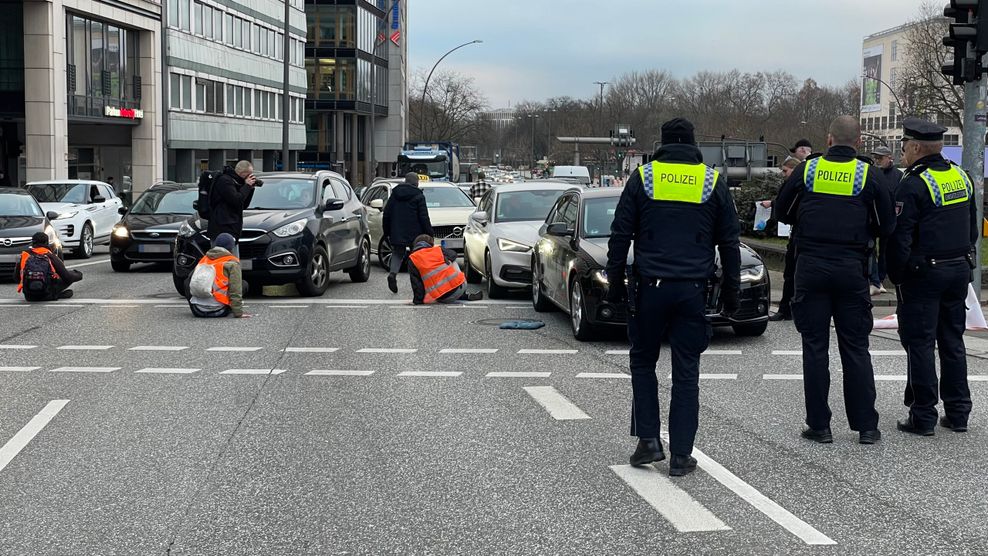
pixel 929 258
pixel 838 204
pixel 675 210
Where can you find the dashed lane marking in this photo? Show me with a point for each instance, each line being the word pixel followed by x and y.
pixel 411 306
pixel 290 306
pixel 679 508
pixel 329 372
pixel 387 350
pixel 617 352
pixel 786 352
pixel 310 350
pixel 465 306
pixel 722 352
pixel 233 349
pixel 158 348
pixel 346 306
pixel 468 350
pixel 782 377
pixel 118 306
pixel 167 371
pixel 518 374
pixel 29 431
pixel 874 352
pixel 977 378
pixel 60 306
pixel 253 371
pixel 560 408
pixel 172 306
pixel 90 263
pixel 85 369
pixel 890 378
pixel 85 348
pixel 16 346
pixel 430 373
pixel 547 351
pixel 518 307
pixel 18 369
pixel 603 375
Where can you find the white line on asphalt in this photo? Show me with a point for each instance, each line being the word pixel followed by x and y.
pixel 602 375
pixel 977 378
pixel 29 431
pixel 547 351
pixel 119 306
pixel 517 374
pixel 253 371
pixel 172 305
pixel 468 350
pixel 85 369
pixel 890 377
pixel 787 352
pixel 722 352
pixel 346 306
pixel 158 348
pixel 887 352
pixel 16 346
pixel 90 263
pixel 518 307
pixel 617 352
pixel 386 350
pixel 61 306
pixel 679 508
pixel 430 373
pixel 717 376
pixel 782 377
pixel 328 372
pixel 310 350
pixel 167 371
pixel 273 301
pixel 227 348
pixel 85 348
pixel 759 501
pixel 18 369
pixel 291 306
pixel 465 306
pixel 555 403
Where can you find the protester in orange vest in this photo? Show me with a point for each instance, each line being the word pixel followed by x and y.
pixel 41 275
pixel 216 286
pixel 434 274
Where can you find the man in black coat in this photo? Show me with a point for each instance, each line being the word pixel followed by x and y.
pixel 406 216
pixel 230 194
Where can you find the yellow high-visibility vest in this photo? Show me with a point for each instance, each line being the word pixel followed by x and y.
pixel 845 179
pixel 685 183
pixel 948 187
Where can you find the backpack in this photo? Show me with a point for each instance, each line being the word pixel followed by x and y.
pixel 206 180
pixel 201 283
pixel 39 276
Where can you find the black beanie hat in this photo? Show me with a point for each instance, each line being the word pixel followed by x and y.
pixel 39 239
pixel 801 143
pixel 678 130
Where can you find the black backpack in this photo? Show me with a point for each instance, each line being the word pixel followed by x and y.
pixel 206 180
pixel 39 276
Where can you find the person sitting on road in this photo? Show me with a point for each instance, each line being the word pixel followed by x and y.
pixel 216 285
pixel 434 274
pixel 41 275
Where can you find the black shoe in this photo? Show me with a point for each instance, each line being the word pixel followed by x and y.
pixel 475 296
pixel 947 424
pixel 779 316
pixel 869 437
pixel 66 294
pixel 649 451
pixel 907 425
pixel 393 283
pixel 681 465
pixel 823 436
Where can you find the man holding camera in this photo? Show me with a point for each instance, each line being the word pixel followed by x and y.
pixel 229 196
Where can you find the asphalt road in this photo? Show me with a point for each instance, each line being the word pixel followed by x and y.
pixel 356 423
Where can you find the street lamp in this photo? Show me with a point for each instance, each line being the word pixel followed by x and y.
pixel 548 132
pixel 533 117
pixel 425 87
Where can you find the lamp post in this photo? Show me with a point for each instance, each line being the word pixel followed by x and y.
pixel 548 132
pixel 533 117
pixel 425 87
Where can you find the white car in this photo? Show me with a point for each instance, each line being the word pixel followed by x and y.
pixel 449 207
pixel 87 211
pixel 500 234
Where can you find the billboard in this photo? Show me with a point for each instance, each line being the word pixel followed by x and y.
pixel 871 90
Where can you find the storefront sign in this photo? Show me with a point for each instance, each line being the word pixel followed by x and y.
pixel 129 113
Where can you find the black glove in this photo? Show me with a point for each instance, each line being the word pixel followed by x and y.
pixel 730 300
pixel 617 291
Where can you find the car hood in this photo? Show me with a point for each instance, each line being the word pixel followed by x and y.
pixel 597 249
pixel 450 216
pixel 522 232
pixel 20 226
pixel 269 220
pixel 61 207
pixel 160 221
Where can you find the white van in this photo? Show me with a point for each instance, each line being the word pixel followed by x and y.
pixel 577 173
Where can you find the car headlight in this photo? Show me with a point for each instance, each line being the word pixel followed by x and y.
pixel 291 229
pixel 53 238
pixel 69 214
pixel 600 276
pixel 752 274
pixel 121 232
pixel 512 246
pixel 185 230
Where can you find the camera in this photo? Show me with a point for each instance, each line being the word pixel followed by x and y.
pixel 258 183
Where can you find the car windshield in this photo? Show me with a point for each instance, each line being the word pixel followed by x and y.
pixel 19 205
pixel 59 192
pixel 445 197
pixel 166 202
pixel 522 206
pixel 597 216
pixel 433 169
pixel 281 194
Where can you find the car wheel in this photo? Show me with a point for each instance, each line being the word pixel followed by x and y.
pixel 180 285
pixel 316 280
pixel 582 330
pixel 473 277
pixel 361 271
pixel 120 266
pixel 86 242
pixel 750 329
pixel 494 291
pixel 384 254
pixel 539 301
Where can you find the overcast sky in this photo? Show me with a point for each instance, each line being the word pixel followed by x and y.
pixel 537 49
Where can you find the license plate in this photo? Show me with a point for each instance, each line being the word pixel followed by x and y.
pixel 246 264
pixel 154 248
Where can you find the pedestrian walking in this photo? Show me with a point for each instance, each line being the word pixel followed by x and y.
pixel 930 259
pixel 478 189
pixel 406 216
pixel 789 269
pixel 41 275
pixel 229 195
pixel 434 274
pixel 882 158
pixel 216 285
pixel 676 210
pixel 838 206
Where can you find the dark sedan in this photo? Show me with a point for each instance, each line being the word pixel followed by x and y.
pixel 568 270
pixel 146 233
pixel 20 218
pixel 297 229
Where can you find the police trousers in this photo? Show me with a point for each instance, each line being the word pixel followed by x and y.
pixel 838 289
pixel 931 310
pixel 676 308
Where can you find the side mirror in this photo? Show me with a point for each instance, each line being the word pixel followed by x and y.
pixel 334 204
pixel 480 217
pixel 52 215
pixel 122 210
pixel 559 229
pixel 377 204
pixel 97 200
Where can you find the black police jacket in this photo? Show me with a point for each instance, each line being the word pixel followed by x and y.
pixel 228 198
pixel 924 231
pixel 832 226
pixel 675 240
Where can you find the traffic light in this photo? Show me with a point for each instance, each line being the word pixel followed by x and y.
pixel 968 38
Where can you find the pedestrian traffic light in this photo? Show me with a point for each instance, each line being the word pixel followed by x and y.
pixel 968 38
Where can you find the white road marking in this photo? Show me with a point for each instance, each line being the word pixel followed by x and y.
pixel 547 351
pixel 175 305
pixel 518 307
pixel 977 378
pixel 119 306
pixel 167 371
pixel 16 346
pixel 468 350
pixel 679 508
pixel 310 350
pixel 430 373
pixel 555 403
pixel 722 352
pixel 890 377
pixel 759 501
pixel 253 371
pixel 787 352
pixel 85 369
pixel 411 306
pixel 782 377
pixel 18 369
pixel 386 350
pixel 602 375
pixel 229 349
pixel 158 348
pixel 717 376
pixel 617 352
pixel 15 306
pixel 290 306
pixel 29 431
pixel 85 348
pixel 887 352
pixel 61 306
pixel 346 306
pixel 90 263
pixel 465 306
pixel 327 372
pixel 518 374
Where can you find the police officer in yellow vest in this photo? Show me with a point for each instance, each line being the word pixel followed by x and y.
pixel 930 259
pixel 676 210
pixel 839 204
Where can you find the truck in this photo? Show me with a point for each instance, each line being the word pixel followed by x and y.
pixel 440 160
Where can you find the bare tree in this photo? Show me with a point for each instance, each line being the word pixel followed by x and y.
pixel 925 90
pixel 451 109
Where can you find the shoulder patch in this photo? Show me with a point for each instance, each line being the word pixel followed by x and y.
pixel 898 207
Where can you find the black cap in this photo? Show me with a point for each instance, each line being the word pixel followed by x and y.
pixel 922 130
pixel 801 143
pixel 39 239
pixel 678 130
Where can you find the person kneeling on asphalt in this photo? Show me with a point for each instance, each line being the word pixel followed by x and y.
pixel 434 274
pixel 42 276
pixel 216 285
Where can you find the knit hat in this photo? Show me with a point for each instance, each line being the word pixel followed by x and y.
pixel 801 143
pixel 39 239
pixel 678 130
pixel 225 241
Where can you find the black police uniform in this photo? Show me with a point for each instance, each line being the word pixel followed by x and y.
pixel 835 236
pixel 674 260
pixel 928 259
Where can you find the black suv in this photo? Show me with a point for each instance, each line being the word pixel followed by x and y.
pixel 297 229
pixel 147 232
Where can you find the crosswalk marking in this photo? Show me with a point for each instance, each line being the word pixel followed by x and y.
pixel 85 348
pixel 679 508
pixel 602 375
pixel 18 369
pixel 386 350
pixel 518 374
pixel 431 373
pixel 310 350
pixel 167 370
pixel 16 346
pixel 158 348
pixel 547 351
pixel 234 349
pixel 560 408
pixel 782 377
pixel 468 350
pixel 328 372
pixel 85 369
pixel 253 371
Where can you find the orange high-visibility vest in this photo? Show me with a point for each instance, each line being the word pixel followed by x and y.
pixel 438 276
pixel 43 251
pixel 221 283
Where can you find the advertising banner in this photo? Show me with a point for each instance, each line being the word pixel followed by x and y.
pixel 871 90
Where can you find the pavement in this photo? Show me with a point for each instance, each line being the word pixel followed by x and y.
pixel 356 423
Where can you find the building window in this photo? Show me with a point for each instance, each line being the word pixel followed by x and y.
pixel 185 11
pixel 895 51
pixel 175 90
pixel 197 16
pixel 231 102
pixel 218 25
pixel 951 140
pixel 103 66
pixel 186 92
pixel 228 29
pixel 246 30
pixel 200 95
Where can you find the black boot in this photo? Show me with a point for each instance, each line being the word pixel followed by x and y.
pixel 681 465
pixel 823 436
pixel 649 451
pixel 908 425
pixel 946 423
pixel 393 283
